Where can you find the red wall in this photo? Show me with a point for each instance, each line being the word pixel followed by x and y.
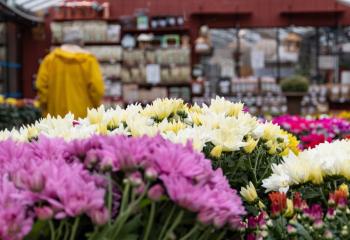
pixel 215 13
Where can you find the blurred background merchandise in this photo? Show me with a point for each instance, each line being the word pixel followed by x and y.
pixel 189 49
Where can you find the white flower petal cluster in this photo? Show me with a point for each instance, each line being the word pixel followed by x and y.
pixel 312 165
pixel 222 123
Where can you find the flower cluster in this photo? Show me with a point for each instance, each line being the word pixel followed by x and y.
pixel 312 132
pixel 222 123
pixel 56 181
pixel 295 219
pixel 17 112
pixel 313 165
pixel 36 182
pixel 188 177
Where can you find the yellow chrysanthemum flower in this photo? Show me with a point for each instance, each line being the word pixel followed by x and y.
pixel 316 175
pixel 95 116
pixel 249 193
pixel 196 118
pixel 251 144
pixel 163 108
pixel 221 105
pixel 175 126
pixel 290 208
pixel 293 143
pixel 216 151
pixel 113 122
pixel 195 109
pixel 32 132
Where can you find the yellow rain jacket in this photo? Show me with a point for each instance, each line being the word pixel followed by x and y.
pixel 69 82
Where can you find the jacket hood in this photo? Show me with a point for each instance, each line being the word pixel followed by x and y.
pixel 72 56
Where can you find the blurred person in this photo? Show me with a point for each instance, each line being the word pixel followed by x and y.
pixel 69 79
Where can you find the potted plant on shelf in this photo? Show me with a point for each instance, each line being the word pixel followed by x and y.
pixel 294 88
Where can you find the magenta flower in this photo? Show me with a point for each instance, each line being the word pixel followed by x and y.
pixel 15 222
pixel 314 212
pixel 188 177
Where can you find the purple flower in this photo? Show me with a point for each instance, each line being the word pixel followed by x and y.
pixel 188 177
pixel 44 213
pixel 155 192
pixel 100 216
pixel 15 223
pixel 314 212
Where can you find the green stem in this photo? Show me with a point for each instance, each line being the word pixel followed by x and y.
pixel 268 167
pixel 125 197
pixel 165 226
pixel 66 234
pixel 150 221
pixel 256 161
pixel 189 234
pixel 110 197
pixel 221 236
pixel 75 228
pixel 324 199
pixel 175 224
pixel 52 229
pixel 62 223
pixel 123 216
pixel 205 234
pixel 252 170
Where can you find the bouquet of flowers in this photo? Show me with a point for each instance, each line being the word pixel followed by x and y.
pixel 113 188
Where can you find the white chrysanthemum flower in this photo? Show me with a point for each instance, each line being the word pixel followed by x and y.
pixel 312 165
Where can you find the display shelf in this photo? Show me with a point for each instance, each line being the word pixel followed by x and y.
pixel 150 85
pixel 110 61
pixel 164 65
pixel 164 30
pixel 111 20
pixel 93 43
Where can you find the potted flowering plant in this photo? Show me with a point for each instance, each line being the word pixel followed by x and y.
pixel 294 88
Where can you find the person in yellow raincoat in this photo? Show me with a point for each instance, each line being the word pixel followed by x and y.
pixel 69 79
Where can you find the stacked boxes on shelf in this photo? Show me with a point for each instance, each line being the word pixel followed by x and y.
pixel 102 40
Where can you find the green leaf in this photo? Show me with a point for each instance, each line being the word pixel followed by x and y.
pixel 130 237
pixel 39 230
pixel 131 226
pixel 302 232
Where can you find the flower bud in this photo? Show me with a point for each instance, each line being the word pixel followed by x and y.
pixel 291 230
pixel 216 151
pixel 251 144
pixel 249 193
pixel 264 234
pixel 140 189
pixel 269 223
pixel 261 205
pixel 328 234
pixel 344 232
pixel 156 192
pixel 330 213
pixel 347 211
pixel 43 213
pixel 289 211
pixel 151 174
pixel 318 224
pixel 100 217
pixel 36 182
pixel 135 179
pixel 205 217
